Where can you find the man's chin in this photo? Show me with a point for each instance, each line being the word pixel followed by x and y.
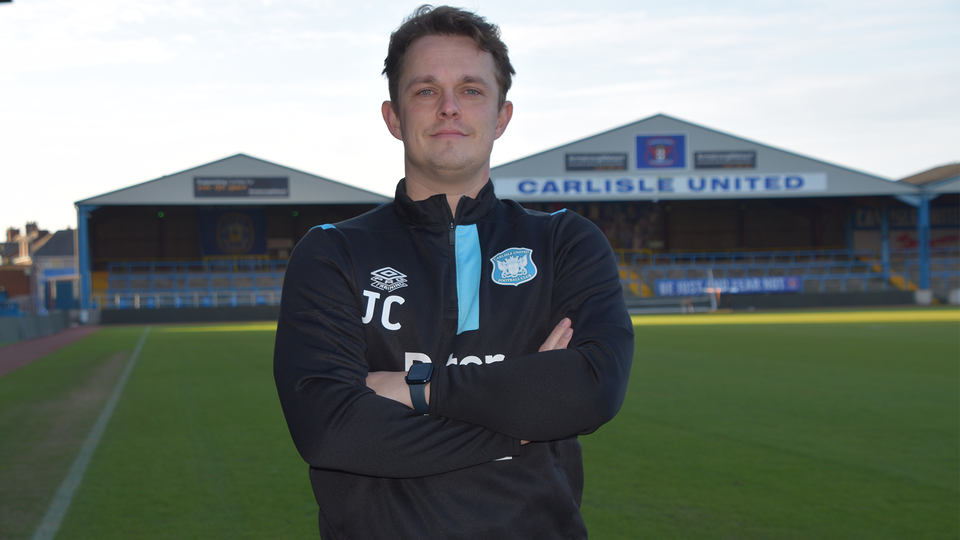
pixel 449 172
pixel 454 169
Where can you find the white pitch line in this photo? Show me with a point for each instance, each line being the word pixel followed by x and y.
pixel 61 501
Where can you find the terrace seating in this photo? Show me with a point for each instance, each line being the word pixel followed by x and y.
pixel 821 271
pixel 192 284
pixel 259 282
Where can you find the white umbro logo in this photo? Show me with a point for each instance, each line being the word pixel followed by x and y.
pixel 388 279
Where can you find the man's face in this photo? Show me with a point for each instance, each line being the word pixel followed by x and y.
pixel 447 115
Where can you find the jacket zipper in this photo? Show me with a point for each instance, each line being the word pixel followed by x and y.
pixel 454 302
pixel 453 305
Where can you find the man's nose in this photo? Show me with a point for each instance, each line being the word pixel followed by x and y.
pixel 449 105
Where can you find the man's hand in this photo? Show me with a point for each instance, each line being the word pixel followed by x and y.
pixel 391 384
pixel 560 337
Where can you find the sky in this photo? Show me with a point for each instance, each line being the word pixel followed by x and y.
pixel 100 95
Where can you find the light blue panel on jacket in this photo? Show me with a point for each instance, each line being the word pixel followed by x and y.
pixel 469 266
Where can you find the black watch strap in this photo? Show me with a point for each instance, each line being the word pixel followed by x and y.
pixel 418 376
pixel 419 398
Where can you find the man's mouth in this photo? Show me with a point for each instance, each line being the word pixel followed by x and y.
pixel 448 133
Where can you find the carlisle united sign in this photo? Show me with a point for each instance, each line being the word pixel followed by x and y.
pixel 653 187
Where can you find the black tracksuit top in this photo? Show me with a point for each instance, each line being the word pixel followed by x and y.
pixel 476 294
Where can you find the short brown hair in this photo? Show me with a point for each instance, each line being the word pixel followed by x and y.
pixel 446 21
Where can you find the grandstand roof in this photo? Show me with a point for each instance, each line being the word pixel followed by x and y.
pixel 662 157
pixel 942 179
pixel 258 181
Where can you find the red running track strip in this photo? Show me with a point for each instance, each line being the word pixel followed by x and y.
pixel 23 352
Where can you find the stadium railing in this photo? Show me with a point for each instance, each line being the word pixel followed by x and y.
pixel 944 267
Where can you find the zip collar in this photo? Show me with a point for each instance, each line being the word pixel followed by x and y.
pixel 435 211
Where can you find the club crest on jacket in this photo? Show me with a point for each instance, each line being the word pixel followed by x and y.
pixel 513 266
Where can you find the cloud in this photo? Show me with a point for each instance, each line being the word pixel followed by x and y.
pixel 61 35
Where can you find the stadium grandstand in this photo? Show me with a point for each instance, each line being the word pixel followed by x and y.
pixel 214 236
pixel 700 219
pixel 694 212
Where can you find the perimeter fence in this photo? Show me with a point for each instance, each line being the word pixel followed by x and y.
pixel 18 328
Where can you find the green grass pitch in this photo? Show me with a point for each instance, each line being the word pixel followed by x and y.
pixel 729 431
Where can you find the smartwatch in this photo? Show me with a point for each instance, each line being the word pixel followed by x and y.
pixel 417 379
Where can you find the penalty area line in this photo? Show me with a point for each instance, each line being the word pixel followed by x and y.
pixel 61 501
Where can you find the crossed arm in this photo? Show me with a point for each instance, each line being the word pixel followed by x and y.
pixel 391 384
pixel 338 423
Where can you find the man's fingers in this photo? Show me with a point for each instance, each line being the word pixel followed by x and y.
pixel 559 337
pixel 565 339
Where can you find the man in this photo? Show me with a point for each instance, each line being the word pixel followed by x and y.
pixel 425 358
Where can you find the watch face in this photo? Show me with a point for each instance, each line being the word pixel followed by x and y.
pixel 419 373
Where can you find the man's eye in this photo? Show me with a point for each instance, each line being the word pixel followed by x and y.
pixel 473 92
pixel 425 92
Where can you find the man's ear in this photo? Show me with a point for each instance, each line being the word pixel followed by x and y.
pixel 503 118
pixel 392 120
